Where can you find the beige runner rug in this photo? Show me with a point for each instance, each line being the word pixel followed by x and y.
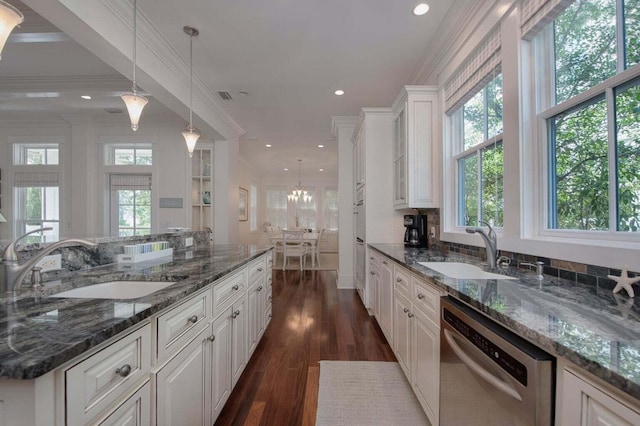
pixel 366 393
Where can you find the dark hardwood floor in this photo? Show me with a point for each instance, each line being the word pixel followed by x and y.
pixel 312 321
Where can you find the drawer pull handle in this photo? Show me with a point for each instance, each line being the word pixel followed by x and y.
pixel 260 269
pixel 124 370
pixel 193 319
pixel 211 338
pixel 259 288
pixel 235 287
pixel 406 310
pixel 420 296
pixel 235 314
pixel 410 315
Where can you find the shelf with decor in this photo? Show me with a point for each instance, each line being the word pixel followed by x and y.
pixel 202 189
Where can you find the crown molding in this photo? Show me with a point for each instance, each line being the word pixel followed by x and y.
pixel 58 83
pixel 338 122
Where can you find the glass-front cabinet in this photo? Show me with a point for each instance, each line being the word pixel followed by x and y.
pixel 202 189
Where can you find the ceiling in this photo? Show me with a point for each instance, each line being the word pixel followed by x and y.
pixel 288 56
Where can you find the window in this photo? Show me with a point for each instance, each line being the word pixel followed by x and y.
pixel 277 206
pixel 128 154
pixel 253 208
pixel 590 109
pixel 480 158
pixel 331 208
pixel 130 205
pixel 37 205
pixel 36 154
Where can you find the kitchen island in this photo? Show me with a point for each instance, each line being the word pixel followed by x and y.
pixel 586 326
pixel 42 337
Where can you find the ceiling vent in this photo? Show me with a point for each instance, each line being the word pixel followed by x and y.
pixel 225 95
pixel 113 110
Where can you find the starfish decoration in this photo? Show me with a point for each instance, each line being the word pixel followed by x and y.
pixel 624 282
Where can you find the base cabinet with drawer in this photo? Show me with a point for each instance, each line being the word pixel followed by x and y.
pixel 416 337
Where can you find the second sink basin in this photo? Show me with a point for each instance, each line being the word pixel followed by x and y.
pixel 115 290
pixel 464 271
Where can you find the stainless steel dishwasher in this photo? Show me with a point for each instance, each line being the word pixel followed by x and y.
pixel 489 375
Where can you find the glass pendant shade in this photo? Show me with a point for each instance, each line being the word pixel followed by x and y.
pixel 2 219
pixel 135 103
pixel 10 17
pixel 191 136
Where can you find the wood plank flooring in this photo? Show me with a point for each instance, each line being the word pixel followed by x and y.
pixel 312 321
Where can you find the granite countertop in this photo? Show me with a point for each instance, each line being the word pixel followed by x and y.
pixel 39 333
pixel 591 327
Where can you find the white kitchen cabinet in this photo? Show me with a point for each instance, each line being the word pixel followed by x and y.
pixel 98 382
pixel 385 294
pixel 134 411
pixel 202 188
pixel 416 337
pixel 256 303
pixel 239 339
pixel 221 346
pixel 374 280
pixel 587 403
pixel 180 386
pixel 377 221
pixel 416 139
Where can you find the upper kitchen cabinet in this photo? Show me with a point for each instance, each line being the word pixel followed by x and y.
pixel 202 189
pixel 415 148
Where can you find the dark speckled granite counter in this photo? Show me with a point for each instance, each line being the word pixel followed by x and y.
pixel 591 327
pixel 39 333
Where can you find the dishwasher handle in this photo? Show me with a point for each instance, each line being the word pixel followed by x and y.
pixel 478 369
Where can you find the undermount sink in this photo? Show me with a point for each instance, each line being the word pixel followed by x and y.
pixel 461 270
pixel 115 290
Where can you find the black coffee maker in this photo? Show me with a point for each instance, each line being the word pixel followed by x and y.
pixel 415 234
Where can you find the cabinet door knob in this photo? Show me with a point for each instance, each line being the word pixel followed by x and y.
pixel 371 258
pixel 260 269
pixel 235 314
pixel 124 370
pixel 193 319
pixel 410 315
pixel 259 288
pixel 270 298
pixel 235 287
pixel 406 310
pixel 420 296
pixel 384 262
pixel 399 280
pixel 372 273
pixel 211 338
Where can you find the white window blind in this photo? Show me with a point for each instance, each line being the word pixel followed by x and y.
pixel 130 182
pixel 475 73
pixel 536 14
pixel 35 179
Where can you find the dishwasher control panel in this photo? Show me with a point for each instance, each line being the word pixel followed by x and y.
pixel 509 364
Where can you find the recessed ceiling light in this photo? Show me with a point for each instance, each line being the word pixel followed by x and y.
pixel 339 92
pixel 85 97
pixel 421 9
pixel 268 145
pixel 322 170
pixel 320 146
pixel 286 170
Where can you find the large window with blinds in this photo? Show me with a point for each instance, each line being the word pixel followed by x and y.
pixel 37 205
pixel 130 204
pixel 277 206
pixel 473 102
pixel 587 87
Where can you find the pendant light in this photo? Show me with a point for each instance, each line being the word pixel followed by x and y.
pixel 10 17
pixel 299 193
pixel 134 102
pixel 191 135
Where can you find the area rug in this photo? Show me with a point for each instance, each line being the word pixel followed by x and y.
pixel 366 393
pixel 328 262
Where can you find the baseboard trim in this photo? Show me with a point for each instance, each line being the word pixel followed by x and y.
pixel 345 281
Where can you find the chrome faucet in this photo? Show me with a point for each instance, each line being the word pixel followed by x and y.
pixel 12 272
pixel 490 242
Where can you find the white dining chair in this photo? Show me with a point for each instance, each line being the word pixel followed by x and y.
pixel 294 246
pixel 315 247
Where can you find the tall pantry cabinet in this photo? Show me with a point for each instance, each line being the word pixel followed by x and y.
pixel 375 219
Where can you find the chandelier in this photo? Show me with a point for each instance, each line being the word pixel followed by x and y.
pixel 299 193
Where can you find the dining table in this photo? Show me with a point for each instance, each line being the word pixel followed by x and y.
pixel 310 237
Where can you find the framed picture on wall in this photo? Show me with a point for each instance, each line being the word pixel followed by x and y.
pixel 243 205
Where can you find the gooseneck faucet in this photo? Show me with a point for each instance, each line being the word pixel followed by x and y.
pixel 490 242
pixel 12 272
